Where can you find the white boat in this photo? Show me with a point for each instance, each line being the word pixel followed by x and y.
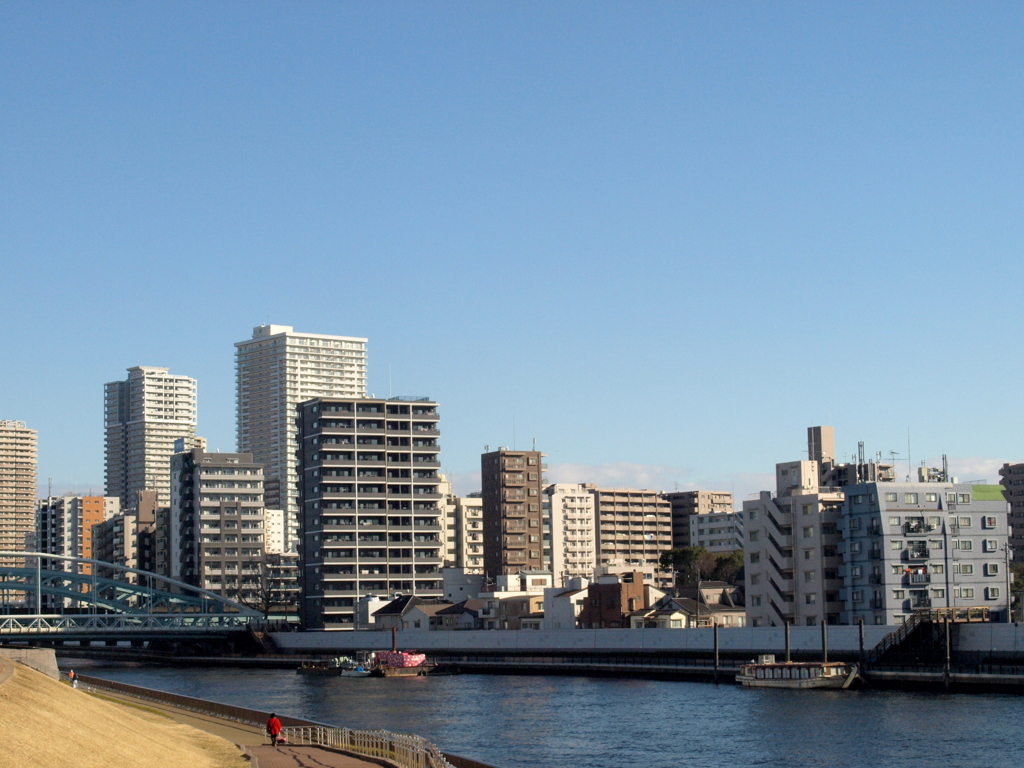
pixel 767 673
pixel 355 672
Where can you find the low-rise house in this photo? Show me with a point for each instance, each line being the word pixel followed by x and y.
pixel 532 621
pixel 614 599
pixel 715 603
pixel 464 615
pixel 423 616
pixel 563 606
pixel 396 613
pixel 513 609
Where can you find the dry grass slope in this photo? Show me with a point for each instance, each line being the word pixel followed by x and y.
pixel 46 724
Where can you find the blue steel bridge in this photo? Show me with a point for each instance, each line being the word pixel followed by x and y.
pixel 83 600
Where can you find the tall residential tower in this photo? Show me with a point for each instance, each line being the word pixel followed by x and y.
pixel 276 370
pixel 143 418
pixel 17 487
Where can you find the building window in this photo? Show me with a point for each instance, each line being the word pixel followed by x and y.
pixel 897 570
pixel 991 569
pixel 898 594
pixel 811 598
pixel 809 532
pixel 938 569
pixel 756 601
pixel 894 521
pixel 910 498
pixel 854 547
pixel 755 578
pixel 991 593
pixel 812 621
pixel 855 571
pixel 965 545
pixel 807 508
pixel 755 557
pixel 809 575
pixel 857 596
pixel 808 554
pixel 931 497
pixel 855 524
pixel 965 522
pixel 752 536
pixel 934 543
pixel 753 514
pixel 896 544
pixel 938 593
pixel 991 545
pixel 963 498
pixel 891 497
pixel 988 522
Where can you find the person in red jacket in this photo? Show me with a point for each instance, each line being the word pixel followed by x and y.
pixel 273 728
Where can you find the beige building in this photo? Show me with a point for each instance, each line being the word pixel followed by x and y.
pixel 464 532
pixel 512 516
pixel 792 555
pixel 634 527
pixel 570 531
pixel 688 504
pixel 17 489
pixel 275 370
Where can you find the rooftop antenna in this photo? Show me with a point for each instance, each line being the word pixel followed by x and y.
pixel 535 444
pixel 910 468
pixel 49 487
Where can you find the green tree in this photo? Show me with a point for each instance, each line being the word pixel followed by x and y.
pixel 684 562
pixel 728 566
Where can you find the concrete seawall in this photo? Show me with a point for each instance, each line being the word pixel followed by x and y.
pixel 746 640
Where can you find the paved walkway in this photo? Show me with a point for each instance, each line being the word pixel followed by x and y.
pixel 304 757
pixel 253 739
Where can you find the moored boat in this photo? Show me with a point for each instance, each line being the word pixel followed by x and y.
pixel 766 673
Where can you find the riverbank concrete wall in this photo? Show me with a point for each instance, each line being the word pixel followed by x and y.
pixel 990 638
pixel 730 640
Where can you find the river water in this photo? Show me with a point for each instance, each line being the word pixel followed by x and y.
pixel 577 722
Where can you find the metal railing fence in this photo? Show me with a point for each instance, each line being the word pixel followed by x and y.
pixel 403 750
pixel 397 747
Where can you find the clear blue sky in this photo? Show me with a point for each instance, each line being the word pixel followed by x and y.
pixel 664 238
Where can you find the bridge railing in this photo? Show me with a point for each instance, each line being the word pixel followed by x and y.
pixel 16 624
pixel 403 750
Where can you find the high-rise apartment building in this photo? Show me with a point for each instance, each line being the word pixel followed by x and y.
pixel 144 416
pixel 688 504
pixel 372 522
pixel 276 370
pixel 17 489
pixel 217 523
pixel 512 515
pixel 792 557
pixel 570 540
pixel 920 546
pixel 634 528
pixel 128 539
pixel 464 519
pixel 844 542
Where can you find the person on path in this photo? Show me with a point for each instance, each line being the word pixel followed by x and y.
pixel 273 728
pixel 73 678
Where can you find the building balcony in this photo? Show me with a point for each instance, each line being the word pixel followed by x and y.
pixel 917 578
pixel 916 553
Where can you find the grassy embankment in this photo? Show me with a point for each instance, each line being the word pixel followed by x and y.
pixel 47 724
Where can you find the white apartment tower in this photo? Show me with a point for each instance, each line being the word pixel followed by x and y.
pixel 570 540
pixel 17 488
pixel 276 370
pixel 144 415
